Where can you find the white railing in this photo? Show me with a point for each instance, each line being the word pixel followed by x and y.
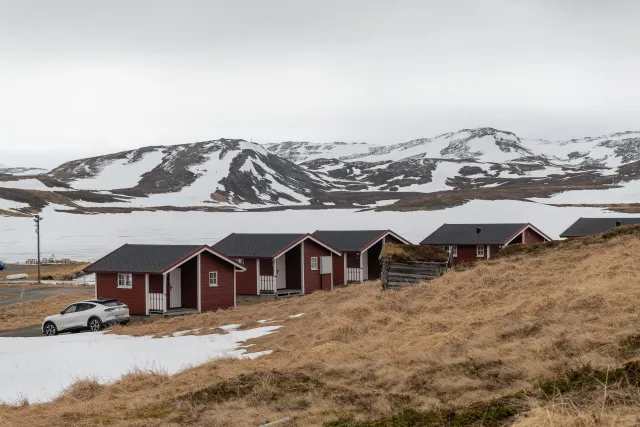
pixel 156 302
pixel 268 284
pixel 354 275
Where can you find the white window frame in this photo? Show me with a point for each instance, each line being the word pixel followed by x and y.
pixel 314 260
pixel 454 250
pixel 480 251
pixel 125 281
pixel 213 275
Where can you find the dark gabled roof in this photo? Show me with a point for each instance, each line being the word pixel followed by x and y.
pixel 255 245
pixel 590 226
pixel 142 258
pixel 467 234
pixel 349 240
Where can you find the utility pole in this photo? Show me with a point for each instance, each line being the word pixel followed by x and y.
pixel 37 219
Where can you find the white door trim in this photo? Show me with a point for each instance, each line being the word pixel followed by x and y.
pixel 164 291
pixel 146 294
pixel 302 264
pixel 199 284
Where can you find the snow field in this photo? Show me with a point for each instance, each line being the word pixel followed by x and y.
pixel 40 368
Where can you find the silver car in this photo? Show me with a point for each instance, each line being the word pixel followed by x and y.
pixel 92 315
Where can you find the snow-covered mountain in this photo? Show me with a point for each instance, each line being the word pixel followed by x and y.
pixel 428 173
pixel 6 170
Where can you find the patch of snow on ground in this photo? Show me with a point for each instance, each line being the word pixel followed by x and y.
pixel 120 173
pixel 628 193
pixel 293 316
pixel 10 204
pixel 40 368
pixel 29 184
pixel 443 171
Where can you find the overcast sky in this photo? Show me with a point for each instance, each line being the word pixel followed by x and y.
pixel 89 77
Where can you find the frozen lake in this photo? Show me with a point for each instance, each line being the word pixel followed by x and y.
pixel 89 237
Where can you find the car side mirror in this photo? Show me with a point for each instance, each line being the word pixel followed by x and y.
pixel 62 312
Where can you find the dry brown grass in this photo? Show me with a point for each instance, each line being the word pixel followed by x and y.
pixel 497 329
pixel 392 252
pixel 49 272
pixel 34 311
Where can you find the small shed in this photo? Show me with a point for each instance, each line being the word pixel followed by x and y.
pixel 408 265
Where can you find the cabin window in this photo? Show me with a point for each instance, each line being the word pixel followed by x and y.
pixel 314 262
pixel 213 278
pixel 453 249
pixel 125 281
pixel 480 251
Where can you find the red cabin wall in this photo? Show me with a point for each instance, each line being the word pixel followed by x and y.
pixel 353 259
pixel 155 283
pixel 293 268
pixel 312 279
pixel 338 269
pixel 246 282
pixel 390 239
pixel 189 283
pixel 135 298
pixel 221 296
pixel 467 253
pixel 266 267
pixel 373 261
pixel 531 236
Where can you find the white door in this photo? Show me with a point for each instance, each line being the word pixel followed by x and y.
pixel 281 272
pixel 365 265
pixel 175 295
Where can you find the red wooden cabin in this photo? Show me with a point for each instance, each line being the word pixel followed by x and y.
pixel 360 252
pixel 167 279
pixel 280 264
pixel 472 242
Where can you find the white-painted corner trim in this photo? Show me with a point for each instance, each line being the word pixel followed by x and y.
pixel 488 251
pixel 235 295
pixel 344 280
pixel 257 276
pixel 302 269
pixel 146 294
pixel 199 281
pixel 164 290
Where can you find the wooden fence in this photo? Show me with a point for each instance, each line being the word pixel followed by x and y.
pixel 400 274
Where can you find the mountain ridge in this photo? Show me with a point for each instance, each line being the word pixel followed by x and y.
pixel 234 174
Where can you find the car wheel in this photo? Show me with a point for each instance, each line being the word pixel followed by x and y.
pixel 50 329
pixel 95 324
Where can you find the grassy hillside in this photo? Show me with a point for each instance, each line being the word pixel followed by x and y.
pixel 542 337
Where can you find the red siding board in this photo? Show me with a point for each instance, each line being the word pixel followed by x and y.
pixel 312 279
pixel 531 236
pixel 221 296
pixel 353 259
pixel 373 261
pixel 155 283
pixel 189 282
pixel 247 282
pixel 266 267
pixel 107 287
pixel 390 239
pixel 293 268
pixel 338 269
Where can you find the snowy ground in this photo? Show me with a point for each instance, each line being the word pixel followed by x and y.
pixel 40 368
pixel 88 237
